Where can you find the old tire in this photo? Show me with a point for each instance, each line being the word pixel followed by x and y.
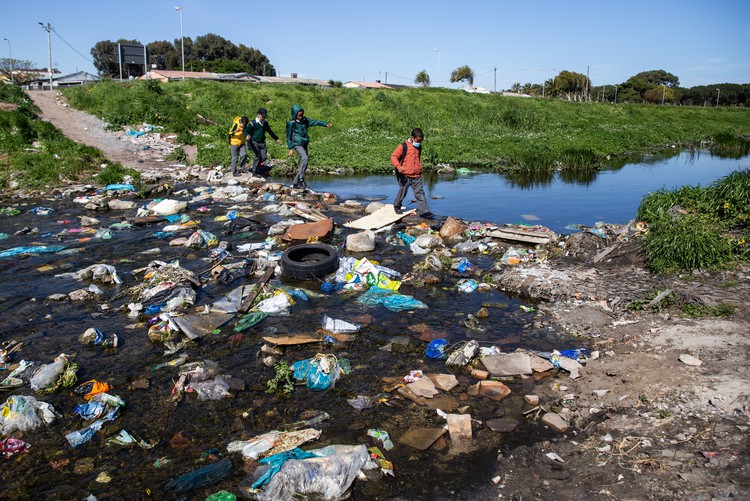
pixel 307 261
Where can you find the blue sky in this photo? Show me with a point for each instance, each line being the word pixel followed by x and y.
pixel 698 41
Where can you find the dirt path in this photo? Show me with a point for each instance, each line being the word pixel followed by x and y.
pixel 142 153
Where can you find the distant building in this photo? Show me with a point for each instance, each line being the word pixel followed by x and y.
pixel 69 80
pixel 377 84
pixel 168 75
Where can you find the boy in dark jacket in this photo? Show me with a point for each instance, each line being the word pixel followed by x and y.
pixel 256 139
pixel 297 140
pixel 406 160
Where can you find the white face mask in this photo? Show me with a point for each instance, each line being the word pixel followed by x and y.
pixel 416 144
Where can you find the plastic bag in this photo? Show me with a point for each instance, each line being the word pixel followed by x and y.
pixel 436 348
pixel 390 299
pixel 329 475
pixel 167 207
pixel 338 326
pixel 278 304
pixel 511 256
pixel 321 371
pixel 212 389
pixel 24 413
pixel 48 373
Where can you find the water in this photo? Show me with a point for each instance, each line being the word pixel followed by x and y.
pixel 611 195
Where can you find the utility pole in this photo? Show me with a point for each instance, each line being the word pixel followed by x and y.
pixel 10 52
pixel 718 93
pixel 495 85
pixel 615 94
pixel 182 41
pixel 48 29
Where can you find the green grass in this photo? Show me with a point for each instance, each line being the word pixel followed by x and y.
pixel 33 153
pixel 698 228
pixel 493 131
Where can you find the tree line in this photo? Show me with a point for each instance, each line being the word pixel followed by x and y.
pixel 207 52
pixel 654 86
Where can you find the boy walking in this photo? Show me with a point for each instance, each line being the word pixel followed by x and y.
pixel 237 143
pixel 256 138
pixel 406 160
pixel 298 140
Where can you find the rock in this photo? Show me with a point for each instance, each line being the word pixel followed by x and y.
pixel 480 374
pixel 428 241
pixel 89 221
pixel 689 360
pixel 600 393
pixel 117 204
pixel 178 242
pixel 531 399
pixel 373 207
pixel 539 364
pixel 490 389
pixel 508 364
pixel 361 242
pixel 482 313
pixel 571 366
pixel 445 382
pixel 555 421
pixel 503 425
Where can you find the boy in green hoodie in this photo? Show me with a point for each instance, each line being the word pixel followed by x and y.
pixel 298 140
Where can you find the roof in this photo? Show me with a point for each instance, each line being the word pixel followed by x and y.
pixel 296 80
pixel 79 76
pixel 366 85
pixel 200 75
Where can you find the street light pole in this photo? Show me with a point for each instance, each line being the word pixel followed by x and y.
pixel 48 29
pixel 718 93
pixel 438 71
pixel 182 41
pixel 10 52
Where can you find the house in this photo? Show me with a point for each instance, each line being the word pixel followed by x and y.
pixel 77 78
pixel 292 79
pixel 377 84
pixel 167 75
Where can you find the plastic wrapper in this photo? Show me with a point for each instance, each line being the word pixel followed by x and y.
pixel 339 326
pixel 48 373
pixel 24 413
pixel 99 272
pixel 200 478
pixel 328 475
pixel 83 435
pixel 392 300
pixel 212 389
pixel 417 250
pixel 278 304
pixel 320 372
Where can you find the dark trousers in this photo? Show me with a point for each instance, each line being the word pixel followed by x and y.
pixel 302 152
pixel 261 155
pixel 417 187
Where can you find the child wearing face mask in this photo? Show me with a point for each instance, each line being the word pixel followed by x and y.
pixel 406 160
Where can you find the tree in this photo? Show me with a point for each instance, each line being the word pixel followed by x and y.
pixel 211 47
pixel 422 79
pixel 257 63
pixel 19 67
pixel 571 86
pixel 463 73
pixel 164 55
pixel 516 87
pixel 658 77
pixel 106 60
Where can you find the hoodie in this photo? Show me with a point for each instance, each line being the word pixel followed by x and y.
pixel 296 130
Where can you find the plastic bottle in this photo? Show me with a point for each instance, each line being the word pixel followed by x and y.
pixel 48 373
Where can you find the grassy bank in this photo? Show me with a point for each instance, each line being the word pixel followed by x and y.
pixel 461 128
pixel 699 228
pixel 34 154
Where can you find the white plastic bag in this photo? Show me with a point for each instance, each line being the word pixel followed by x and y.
pixel 48 373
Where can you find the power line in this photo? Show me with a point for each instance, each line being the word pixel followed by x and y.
pixel 66 43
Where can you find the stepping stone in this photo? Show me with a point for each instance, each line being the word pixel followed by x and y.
pixel 422 438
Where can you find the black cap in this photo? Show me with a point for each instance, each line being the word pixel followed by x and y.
pixel 262 112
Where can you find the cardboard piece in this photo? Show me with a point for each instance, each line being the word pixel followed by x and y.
pixel 292 340
pixel 382 217
pixel 319 229
pixel 422 438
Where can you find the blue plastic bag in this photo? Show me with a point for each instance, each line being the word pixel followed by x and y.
pixel 390 299
pixel 436 348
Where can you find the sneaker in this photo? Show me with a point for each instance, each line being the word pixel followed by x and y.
pixel 398 210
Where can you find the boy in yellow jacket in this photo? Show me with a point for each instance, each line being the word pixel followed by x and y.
pixel 237 143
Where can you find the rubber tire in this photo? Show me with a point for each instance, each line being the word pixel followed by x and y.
pixel 307 261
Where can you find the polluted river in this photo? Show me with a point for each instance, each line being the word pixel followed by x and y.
pixel 51 296
pixel 184 408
